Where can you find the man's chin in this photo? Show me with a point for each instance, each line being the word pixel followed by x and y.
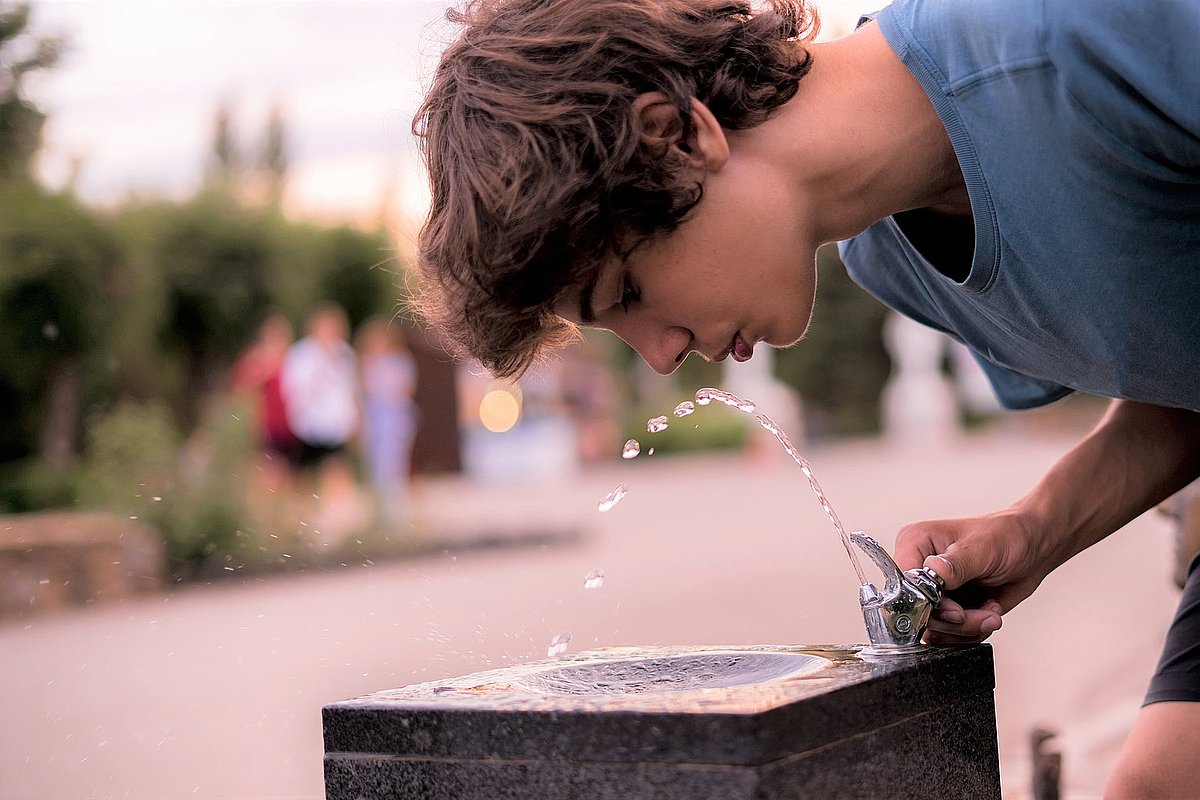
pixel 787 339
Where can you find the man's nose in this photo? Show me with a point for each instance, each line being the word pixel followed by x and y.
pixel 663 348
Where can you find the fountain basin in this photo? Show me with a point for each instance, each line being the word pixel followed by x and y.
pixel 672 672
pixel 764 722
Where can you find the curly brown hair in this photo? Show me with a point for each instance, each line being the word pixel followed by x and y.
pixel 537 166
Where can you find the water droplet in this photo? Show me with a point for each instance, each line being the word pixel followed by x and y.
pixel 650 452
pixel 559 644
pixel 631 449
pixel 685 408
pixel 706 396
pixel 157 499
pixel 656 425
pixel 594 579
pixel 612 498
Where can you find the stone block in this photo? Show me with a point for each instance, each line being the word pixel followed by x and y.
pixel 738 726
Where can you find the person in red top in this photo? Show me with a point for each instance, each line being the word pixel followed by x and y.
pixel 255 375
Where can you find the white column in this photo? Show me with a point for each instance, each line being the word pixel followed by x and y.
pixel 918 404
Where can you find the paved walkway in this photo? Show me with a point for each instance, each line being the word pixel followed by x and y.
pixel 216 692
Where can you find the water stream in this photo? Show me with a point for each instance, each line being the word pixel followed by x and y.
pixel 707 395
pixel 704 397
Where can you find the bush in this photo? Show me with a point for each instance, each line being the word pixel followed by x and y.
pixel 29 485
pixel 707 429
pixel 130 459
pixel 133 466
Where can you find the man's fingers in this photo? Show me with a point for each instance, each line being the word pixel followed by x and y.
pixel 977 624
pixel 950 611
pixel 936 637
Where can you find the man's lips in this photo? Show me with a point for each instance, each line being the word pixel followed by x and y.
pixel 741 349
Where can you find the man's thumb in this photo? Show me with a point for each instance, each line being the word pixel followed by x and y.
pixel 952 567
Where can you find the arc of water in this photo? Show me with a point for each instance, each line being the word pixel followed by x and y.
pixel 708 395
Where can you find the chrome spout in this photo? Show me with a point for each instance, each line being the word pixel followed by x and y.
pixel 897 615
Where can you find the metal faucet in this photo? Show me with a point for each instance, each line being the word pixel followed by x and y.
pixel 896 617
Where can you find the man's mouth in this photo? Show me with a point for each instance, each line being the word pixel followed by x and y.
pixel 741 350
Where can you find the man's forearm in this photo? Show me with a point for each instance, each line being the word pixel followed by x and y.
pixel 1136 457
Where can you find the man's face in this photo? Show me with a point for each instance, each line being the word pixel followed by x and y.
pixel 741 270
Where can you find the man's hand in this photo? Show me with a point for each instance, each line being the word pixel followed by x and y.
pixel 990 564
pixel 1138 455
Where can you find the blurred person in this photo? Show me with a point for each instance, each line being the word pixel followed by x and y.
pixel 319 381
pixel 591 397
pixel 256 376
pixel 389 380
pixel 1022 175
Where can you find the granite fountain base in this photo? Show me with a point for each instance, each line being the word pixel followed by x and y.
pixel 686 723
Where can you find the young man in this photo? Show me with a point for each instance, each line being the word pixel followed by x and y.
pixel 1023 175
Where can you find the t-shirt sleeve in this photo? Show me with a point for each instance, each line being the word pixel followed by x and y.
pixel 1016 391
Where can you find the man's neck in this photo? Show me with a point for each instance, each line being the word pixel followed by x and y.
pixel 862 140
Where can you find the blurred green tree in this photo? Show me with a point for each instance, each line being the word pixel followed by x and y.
pixel 215 262
pixel 273 162
pixel 225 161
pixel 841 366
pixel 54 256
pixel 57 269
pixel 359 273
pixel 202 274
pixel 21 53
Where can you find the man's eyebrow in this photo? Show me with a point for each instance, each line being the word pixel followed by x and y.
pixel 586 314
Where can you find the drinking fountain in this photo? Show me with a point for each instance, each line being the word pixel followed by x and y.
pixel 894 718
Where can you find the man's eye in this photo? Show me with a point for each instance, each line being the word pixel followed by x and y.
pixel 629 294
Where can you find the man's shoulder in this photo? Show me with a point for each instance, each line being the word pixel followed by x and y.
pixel 1106 23
pixel 962 38
pixel 1131 67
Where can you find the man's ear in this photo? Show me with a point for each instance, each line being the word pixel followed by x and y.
pixel 705 148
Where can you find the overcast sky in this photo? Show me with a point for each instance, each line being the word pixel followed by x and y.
pixel 135 96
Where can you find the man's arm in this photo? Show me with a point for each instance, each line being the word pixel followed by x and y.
pixel 1136 457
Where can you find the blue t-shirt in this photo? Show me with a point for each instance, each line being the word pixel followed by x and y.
pixel 1077 129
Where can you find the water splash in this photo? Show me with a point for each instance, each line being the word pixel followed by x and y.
pixel 656 425
pixel 559 644
pixel 594 579
pixel 631 449
pixel 684 409
pixel 612 498
pixel 708 395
